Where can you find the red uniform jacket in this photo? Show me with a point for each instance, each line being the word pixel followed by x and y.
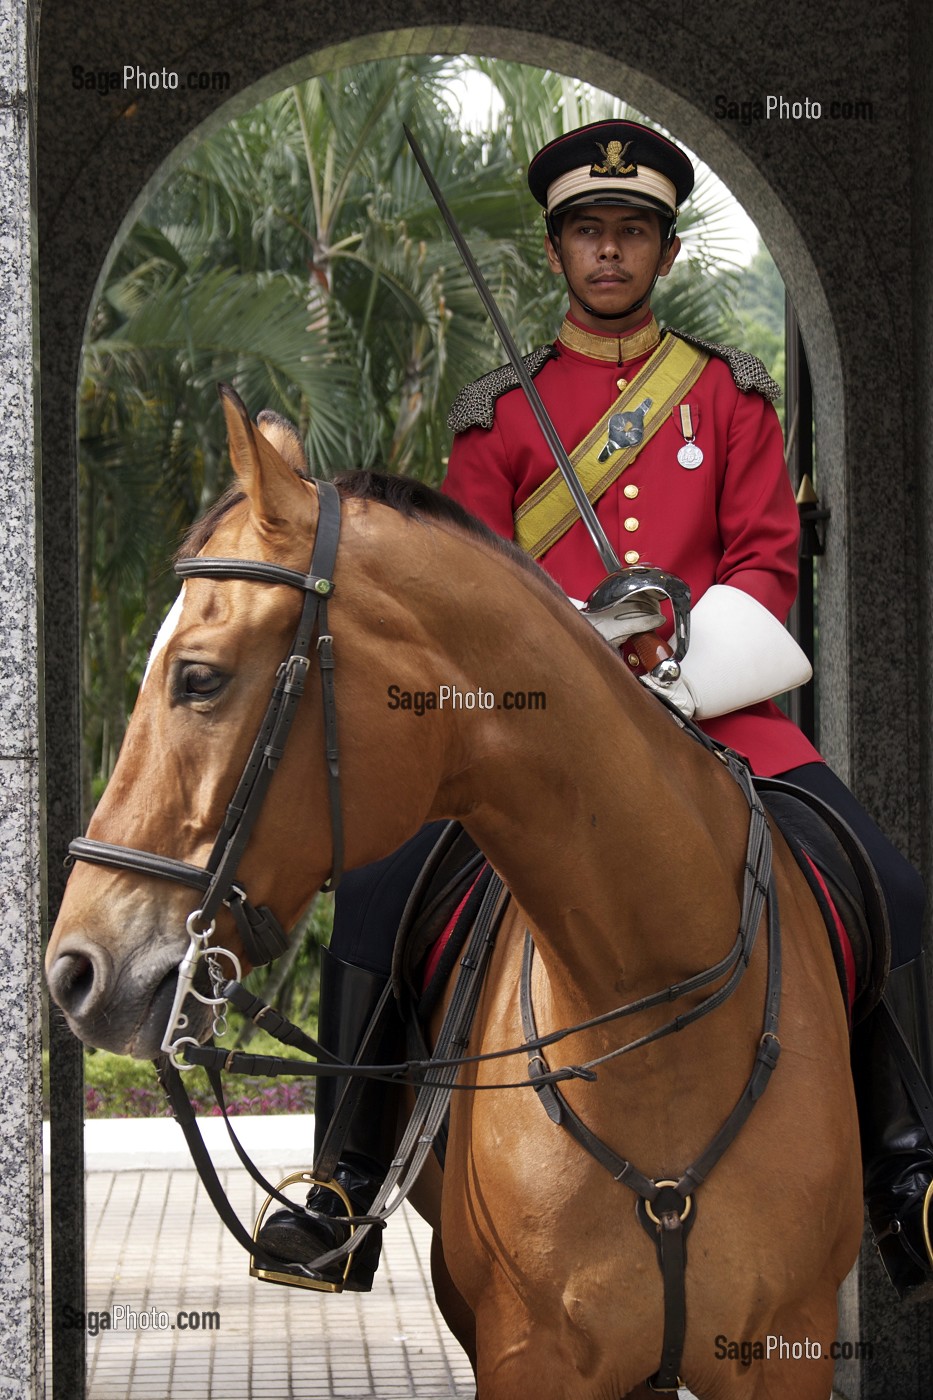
pixel 732 520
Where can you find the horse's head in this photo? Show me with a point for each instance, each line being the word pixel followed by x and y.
pixel 120 935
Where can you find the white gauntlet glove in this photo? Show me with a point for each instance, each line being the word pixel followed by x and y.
pixel 739 655
pixel 640 613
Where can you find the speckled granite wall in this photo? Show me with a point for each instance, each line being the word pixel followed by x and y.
pixel 21 1327
pixel 831 195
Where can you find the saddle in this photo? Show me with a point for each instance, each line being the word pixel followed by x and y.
pixel 843 883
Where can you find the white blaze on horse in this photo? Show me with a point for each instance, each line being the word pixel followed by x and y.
pixel 623 842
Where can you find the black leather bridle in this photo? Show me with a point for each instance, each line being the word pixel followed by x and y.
pixel 261 934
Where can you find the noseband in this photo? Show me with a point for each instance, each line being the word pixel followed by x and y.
pixel 261 934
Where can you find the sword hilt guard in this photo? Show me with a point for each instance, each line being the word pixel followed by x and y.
pixel 642 582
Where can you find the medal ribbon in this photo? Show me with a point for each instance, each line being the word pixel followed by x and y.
pixel 685 414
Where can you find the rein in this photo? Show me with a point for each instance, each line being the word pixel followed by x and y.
pixel 262 935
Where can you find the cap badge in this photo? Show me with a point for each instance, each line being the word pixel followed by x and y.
pixel 614 160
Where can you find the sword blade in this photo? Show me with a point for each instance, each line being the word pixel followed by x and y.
pixel 605 550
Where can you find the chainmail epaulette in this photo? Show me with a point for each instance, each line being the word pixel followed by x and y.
pixel 475 405
pixel 747 370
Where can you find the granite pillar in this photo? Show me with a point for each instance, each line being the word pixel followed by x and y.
pixel 21 1324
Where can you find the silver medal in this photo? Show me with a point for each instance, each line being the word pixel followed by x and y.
pixel 690 456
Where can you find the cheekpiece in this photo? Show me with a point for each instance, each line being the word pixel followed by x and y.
pixel 611 162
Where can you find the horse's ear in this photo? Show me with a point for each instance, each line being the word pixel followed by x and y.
pixel 261 469
pixel 285 438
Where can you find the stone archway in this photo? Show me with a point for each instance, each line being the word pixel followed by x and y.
pixel 129 143
pixel 708 135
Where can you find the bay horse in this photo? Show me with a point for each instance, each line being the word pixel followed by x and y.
pixel 623 844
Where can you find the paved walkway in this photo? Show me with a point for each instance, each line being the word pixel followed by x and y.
pixel 156 1248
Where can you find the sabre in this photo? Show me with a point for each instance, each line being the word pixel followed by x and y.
pixel 605 550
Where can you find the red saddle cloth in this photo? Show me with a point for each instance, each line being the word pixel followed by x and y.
pixel 837 933
pixel 433 961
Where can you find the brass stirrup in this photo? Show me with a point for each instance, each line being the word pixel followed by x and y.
pixel 296 1280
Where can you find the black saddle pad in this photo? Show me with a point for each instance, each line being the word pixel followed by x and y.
pixel 454 865
pixel 813 829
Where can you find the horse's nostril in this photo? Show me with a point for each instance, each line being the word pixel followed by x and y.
pixel 71 981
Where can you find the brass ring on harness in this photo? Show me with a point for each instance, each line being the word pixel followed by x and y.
pixel 688 1204
pixel 927 1204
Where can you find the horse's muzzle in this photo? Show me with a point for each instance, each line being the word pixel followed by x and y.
pixel 125 1008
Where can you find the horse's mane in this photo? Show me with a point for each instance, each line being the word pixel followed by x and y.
pixel 200 532
pixel 404 494
pixel 416 500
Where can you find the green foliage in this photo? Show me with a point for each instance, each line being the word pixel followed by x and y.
pixel 116 1086
pixel 759 311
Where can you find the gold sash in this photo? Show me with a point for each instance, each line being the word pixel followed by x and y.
pixel 549 512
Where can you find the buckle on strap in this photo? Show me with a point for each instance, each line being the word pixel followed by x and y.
pixel 261 934
pixel 295 671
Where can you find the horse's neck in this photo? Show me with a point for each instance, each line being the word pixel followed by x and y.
pixel 621 840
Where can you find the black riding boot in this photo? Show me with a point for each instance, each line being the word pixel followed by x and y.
pixel 897 1154
pixel 348 998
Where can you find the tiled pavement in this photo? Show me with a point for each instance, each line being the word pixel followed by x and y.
pixel 155 1243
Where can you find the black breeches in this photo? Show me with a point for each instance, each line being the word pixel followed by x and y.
pixel 902 886
pixel 370 902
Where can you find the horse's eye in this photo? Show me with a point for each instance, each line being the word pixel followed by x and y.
pixel 200 682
